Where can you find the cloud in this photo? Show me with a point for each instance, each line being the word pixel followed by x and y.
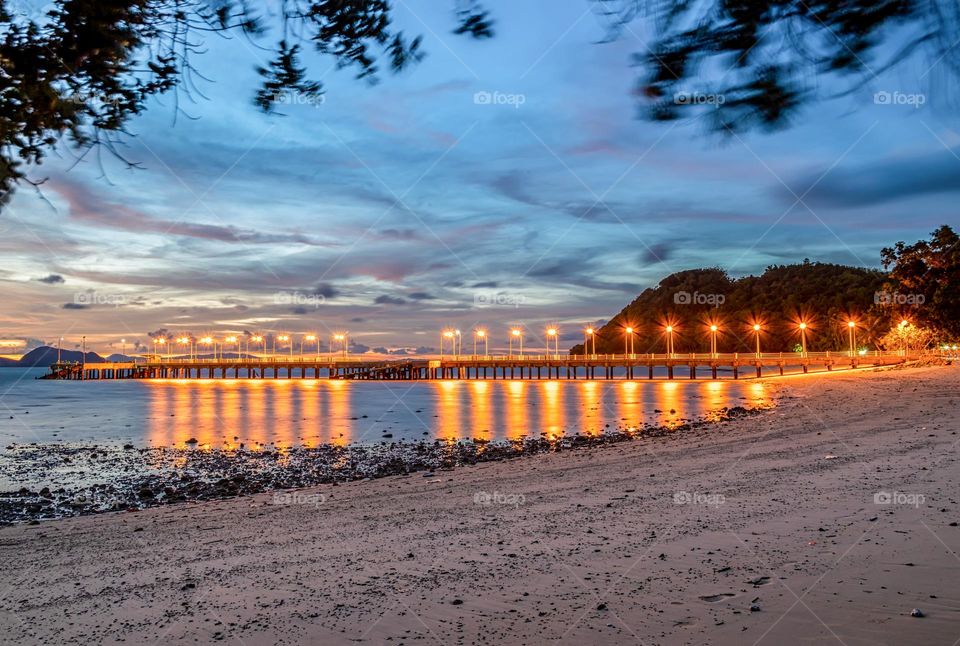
pixel 421 296
pixel 75 306
pixel 326 290
pixel 884 181
pixel 52 279
pixel 491 284
pixel 90 209
pixel 384 299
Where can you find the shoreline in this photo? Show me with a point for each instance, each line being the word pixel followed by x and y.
pixel 670 541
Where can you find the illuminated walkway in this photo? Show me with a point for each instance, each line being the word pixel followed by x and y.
pixel 601 366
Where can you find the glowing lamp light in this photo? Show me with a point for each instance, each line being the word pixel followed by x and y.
pixel 257 339
pixel 231 339
pixel 803 326
pixel 589 330
pixel 481 333
pixel 206 340
pixel 448 334
pixel 283 337
pixel 552 332
pixel 756 327
pixel 161 341
pixel 311 337
pixel 713 328
pixel 629 330
pixel 669 328
pixel 851 324
pixel 515 332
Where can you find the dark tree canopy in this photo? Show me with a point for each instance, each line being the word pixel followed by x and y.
pixel 931 269
pixel 823 295
pixel 84 68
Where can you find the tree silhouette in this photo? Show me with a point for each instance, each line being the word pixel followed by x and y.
pixel 85 67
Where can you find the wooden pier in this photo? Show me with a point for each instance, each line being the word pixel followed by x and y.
pixel 606 366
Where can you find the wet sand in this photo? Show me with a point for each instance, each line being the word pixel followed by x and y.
pixel 764 529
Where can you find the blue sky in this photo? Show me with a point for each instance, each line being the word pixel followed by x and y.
pixel 395 210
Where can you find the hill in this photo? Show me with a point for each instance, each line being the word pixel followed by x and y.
pixel 45 355
pixel 824 295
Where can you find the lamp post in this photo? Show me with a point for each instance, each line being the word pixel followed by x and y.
pixel 518 334
pixel 123 349
pixel 313 338
pixel 284 338
pixel 342 338
pixel 232 340
pixel 756 332
pixel 159 341
pixel 590 334
pixel 552 334
pixel 458 343
pixel 713 340
pixel 852 328
pixel 480 334
pixel 83 352
pixel 627 339
pixel 59 344
pixel 903 336
pixel 669 330
pixel 803 338
pixel 207 341
pixel 447 334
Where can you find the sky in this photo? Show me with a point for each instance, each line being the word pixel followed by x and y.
pixel 397 210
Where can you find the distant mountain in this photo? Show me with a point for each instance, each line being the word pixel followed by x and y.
pixel 8 363
pixel 825 295
pixel 123 357
pixel 45 355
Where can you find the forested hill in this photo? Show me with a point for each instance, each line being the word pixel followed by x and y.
pixel 824 295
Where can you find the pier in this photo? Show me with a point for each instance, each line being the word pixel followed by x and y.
pixel 474 367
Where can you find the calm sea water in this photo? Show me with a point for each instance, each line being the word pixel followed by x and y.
pixel 226 413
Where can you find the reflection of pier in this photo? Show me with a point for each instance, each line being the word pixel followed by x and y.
pixel 603 366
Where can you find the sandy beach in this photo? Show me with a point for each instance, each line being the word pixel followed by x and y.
pixel 827 519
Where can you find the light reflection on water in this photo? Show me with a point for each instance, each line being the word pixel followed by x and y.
pixel 308 412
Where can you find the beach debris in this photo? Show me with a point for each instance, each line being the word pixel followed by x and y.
pixel 916 612
pixel 829 456
pixel 457 602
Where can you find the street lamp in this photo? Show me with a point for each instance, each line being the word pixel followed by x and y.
pixel 627 339
pixel 518 334
pixel 669 331
pixel 756 332
pixel 803 338
pixel 480 334
pixel 552 334
pixel 713 340
pixel 123 349
pixel 852 328
pixel 311 338
pixel 160 341
pixel 59 344
pixel 284 338
pixel 185 341
pixel 903 335
pixel 447 334
pixel 342 338
pixel 231 340
pixel 207 340
pixel 458 343
pixel 590 334
pixel 259 339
